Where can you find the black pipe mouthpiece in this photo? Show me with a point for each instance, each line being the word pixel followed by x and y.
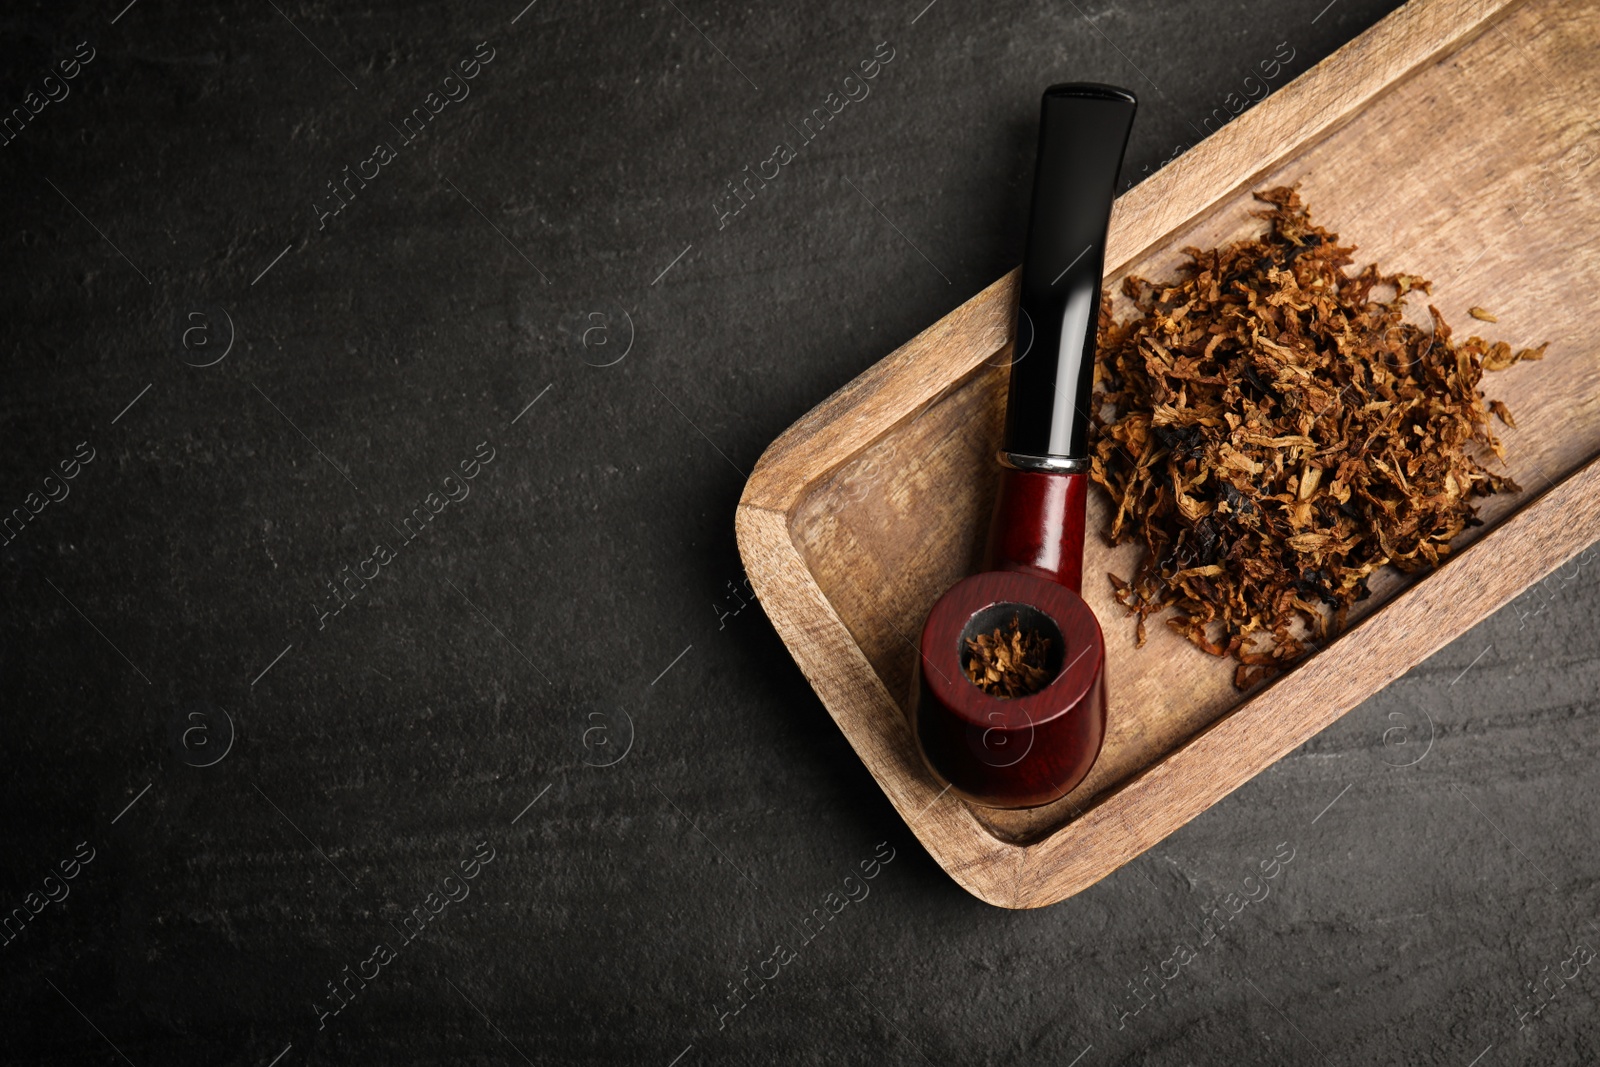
pixel 1083 131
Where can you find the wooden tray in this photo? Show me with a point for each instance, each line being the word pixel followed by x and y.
pixel 1454 140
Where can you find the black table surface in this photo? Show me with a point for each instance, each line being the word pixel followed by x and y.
pixel 373 688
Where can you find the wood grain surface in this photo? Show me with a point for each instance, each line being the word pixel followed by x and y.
pixel 1453 140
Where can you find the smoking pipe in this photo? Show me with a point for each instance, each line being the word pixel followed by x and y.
pixel 1029 750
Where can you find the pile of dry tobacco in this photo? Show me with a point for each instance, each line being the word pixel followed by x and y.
pixel 1008 664
pixel 1274 432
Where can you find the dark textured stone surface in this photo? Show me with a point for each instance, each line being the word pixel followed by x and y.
pixel 386 742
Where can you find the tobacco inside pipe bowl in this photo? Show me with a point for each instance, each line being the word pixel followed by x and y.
pixel 1033 747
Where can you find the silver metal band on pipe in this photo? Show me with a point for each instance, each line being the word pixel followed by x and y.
pixel 1048 464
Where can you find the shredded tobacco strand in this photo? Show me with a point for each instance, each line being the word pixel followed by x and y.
pixel 1008 664
pixel 1273 432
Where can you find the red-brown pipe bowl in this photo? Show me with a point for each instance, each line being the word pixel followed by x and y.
pixel 1010 752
